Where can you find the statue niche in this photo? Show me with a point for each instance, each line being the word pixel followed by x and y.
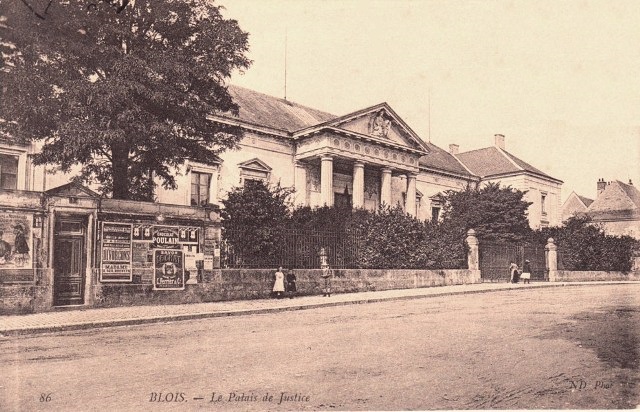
pixel 379 124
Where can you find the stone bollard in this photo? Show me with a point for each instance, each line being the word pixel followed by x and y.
pixel 552 259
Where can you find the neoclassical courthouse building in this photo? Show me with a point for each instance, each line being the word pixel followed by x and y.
pixel 61 244
pixel 364 159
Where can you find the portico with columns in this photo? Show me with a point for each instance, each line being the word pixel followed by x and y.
pixel 365 159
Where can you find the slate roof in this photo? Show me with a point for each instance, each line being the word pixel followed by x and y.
pixel 279 114
pixel 616 196
pixel 587 202
pixel 491 161
pixel 442 160
pixel 264 110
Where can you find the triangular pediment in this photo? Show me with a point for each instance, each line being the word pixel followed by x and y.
pixel 377 122
pixel 72 189
pixel 255 164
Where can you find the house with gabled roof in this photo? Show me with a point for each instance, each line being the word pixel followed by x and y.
pixel 495 164
pixel 616 208
pixel 364 159
pixel 575 205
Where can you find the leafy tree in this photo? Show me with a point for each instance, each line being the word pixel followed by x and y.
pixel 253 220
pixel 121 88
pixel 494 212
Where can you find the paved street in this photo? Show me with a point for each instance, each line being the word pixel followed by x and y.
pixel 563 347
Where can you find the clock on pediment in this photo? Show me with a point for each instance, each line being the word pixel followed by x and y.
pixel 379 124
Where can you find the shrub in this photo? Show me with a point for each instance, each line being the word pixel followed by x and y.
pixel 584 246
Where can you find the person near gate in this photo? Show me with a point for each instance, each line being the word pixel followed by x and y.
pixel 291 283
pixel 278 284
pixel 526 272
pixel 513 272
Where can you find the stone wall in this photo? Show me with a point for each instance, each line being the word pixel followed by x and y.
pixel 591 276
pixel 237 284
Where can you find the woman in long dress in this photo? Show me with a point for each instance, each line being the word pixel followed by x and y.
pixel 278 285
pixel 513 272
pixel 526 272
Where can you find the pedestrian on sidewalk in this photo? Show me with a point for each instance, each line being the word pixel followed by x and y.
pixel 326 275
pixel 278 284
pixel 526 272
pixel 291 283
pixel 513 273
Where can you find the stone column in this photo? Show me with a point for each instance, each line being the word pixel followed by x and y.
pixel 473 258
pixel 410 207
pixel 300 183
pixel 552 259
pixel 326 180
pixel 358 184
pixel 385 187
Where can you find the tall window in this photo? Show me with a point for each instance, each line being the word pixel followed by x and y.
pixel 200 183
pixel 435 214
pixel 8 172
pixel 543 199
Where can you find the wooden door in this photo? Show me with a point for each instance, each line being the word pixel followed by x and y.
pixel 69 270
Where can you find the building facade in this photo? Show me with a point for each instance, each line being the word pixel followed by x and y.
pixel 63 245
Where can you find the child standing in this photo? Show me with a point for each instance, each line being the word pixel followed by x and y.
pixel 526 272
pixel 278 284
pixel 291 283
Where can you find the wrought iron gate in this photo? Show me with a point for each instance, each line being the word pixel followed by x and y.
pixel 495 259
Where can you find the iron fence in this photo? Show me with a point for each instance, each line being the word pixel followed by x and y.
pixel 495 259
pixel 290 248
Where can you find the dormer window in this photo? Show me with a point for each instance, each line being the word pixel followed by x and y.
pixel 254 170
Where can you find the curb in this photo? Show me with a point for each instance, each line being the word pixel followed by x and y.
pixel 245 312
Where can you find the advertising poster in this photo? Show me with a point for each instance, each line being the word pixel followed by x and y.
pixel 166 237
pixel 16 240
pixel 142 232
pixel 189 234
pixel 168 269
pixel 116 253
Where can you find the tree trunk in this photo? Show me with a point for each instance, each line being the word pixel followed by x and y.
pixel 120 171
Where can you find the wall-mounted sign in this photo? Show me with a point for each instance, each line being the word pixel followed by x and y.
pixel 142 232
pixel 169 237
pixel 166 237
pixel 168 269
pixel 189 234
pixel 16 240
pixel 115 262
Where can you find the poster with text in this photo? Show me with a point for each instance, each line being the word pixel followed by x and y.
pixel 168 269
pixel 116 253
pixel 16 243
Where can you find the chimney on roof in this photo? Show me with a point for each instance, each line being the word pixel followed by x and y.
pixel 454 149
pixel 601 186
pixel 630 182
pixel 499 141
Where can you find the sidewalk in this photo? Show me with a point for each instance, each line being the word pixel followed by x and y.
pixel 135 315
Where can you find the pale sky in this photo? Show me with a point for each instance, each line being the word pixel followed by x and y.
pixel 560 79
